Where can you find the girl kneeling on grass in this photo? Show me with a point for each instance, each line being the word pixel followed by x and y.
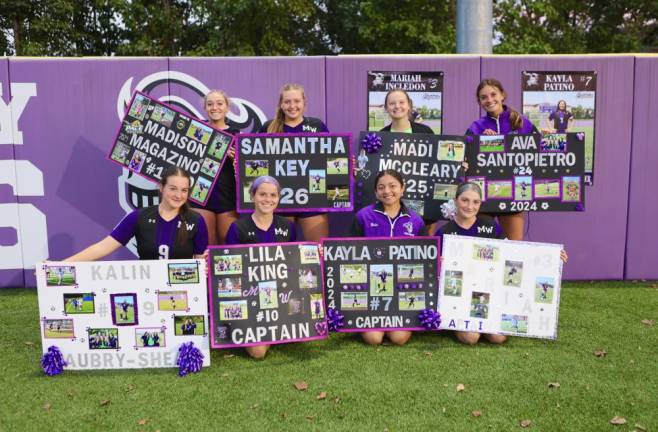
pixel 169 230
pixel 388 217
pixel 468 222
pixel 262 226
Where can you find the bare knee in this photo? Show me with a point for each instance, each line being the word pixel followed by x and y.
pixel 495 338
pixel 468 338
pixel 257 352
pixel 398 337
pixel 314 227
pixel 373 337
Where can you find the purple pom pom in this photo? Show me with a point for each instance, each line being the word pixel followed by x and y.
pixel 430 319
pixel 190 359
pixel 53 362
pixel 335 319
pixel 371 142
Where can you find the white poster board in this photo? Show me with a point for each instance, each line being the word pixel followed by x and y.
pixel 123 314
pixel 500 286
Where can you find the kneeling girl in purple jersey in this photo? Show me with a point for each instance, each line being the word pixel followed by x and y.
pixel 388 217
pixel 169 230
pixel 262 226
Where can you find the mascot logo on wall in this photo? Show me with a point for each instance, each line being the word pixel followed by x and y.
pixel 137 192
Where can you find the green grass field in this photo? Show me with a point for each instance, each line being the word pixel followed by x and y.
pixel 412 387
pixel 503 191
pixel 86 307
pixel 547 190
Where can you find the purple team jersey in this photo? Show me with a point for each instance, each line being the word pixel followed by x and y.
pixel 165 233
pixel 560 120
pixel 233 236
pixel 500 125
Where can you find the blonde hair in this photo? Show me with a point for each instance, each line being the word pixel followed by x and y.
pixel 276 126
pixel 219 92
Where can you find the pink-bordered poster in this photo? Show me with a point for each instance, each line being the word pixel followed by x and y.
pixel 265 294
pixel 314 170
pixel 123 314
pixel 381 283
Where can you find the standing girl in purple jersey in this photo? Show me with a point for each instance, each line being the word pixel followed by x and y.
pixel 501 120
pixel 262 226
pixel 389 217
pixel 169 230
pixel 290 118
pixel 219 212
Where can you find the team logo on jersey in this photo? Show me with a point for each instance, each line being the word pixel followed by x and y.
pixel 307 128
pixel 373 224
pixel 135 191
pixel 151 221
pixel 281 231
pixel 484 229
pixel 408 228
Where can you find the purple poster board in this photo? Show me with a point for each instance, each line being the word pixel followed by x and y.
pixel 314 170
pixel 154 136
pixel 381 283
pixel 584 236
pixel 266 294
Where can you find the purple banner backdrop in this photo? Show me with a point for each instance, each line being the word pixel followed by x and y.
pixel 65 112
pixel 67 131
pixel 641 249
pixel 595 239
pixel 11 248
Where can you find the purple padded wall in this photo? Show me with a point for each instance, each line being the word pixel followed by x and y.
pixel 642 240
pixel 257 80
pixel 68 130
pixel 11 252
pixel 596 238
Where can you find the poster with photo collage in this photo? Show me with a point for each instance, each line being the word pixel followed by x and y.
pixel 431 166
pixel 381 283
pixel 561 102
pixel 313 169
pixel 155 136
pixel 500 286
pixel 528 172
pixel 425 89
pixel 123 314
pixel 266 294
